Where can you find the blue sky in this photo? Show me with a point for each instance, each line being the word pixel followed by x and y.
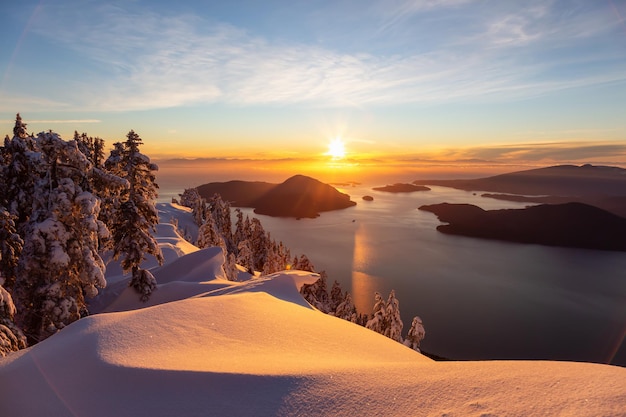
pixel 525 81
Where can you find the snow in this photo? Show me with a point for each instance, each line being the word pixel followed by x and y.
pixel 206 346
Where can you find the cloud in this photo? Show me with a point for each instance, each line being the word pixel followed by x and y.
pixel 546 152
pixel 148 60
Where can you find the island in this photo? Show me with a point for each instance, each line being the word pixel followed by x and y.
pixel 368 198
pixel 401 188
pixel 575 225
pixel 299 196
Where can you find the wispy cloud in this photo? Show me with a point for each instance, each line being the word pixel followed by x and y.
pixel 545 152
pixel 147 60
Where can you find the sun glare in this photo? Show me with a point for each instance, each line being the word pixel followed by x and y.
pixel 336 149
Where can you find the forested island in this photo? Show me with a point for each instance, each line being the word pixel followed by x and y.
pixel 299 196
pixel 575 225
pixel 401 188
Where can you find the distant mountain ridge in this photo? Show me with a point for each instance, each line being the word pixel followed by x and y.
pixel 599 186
pixel 560 180
pixel 299 196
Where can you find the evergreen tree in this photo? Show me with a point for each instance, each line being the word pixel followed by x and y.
pixel 393 322
pixel 377 320
pixel 60 264
pixel 208 235
pixel 244 256
pixel 220 211
pixel 316 294
pixel 230 268
pixel 19 129
pixel 240 230
pixel 11 245
pixel 416 334
pixel 303 264
pixel 259 243
pixel 137 216
pixel 336 296
pixel 11 337
pixel 346 309
pixel 20 171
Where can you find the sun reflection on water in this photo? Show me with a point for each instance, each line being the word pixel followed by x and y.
pixel 363 285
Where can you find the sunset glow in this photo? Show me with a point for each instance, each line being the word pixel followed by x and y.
pixel 336 149
pixel 460 80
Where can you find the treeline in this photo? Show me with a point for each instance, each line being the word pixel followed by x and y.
pixel 61 205
pixel 250 246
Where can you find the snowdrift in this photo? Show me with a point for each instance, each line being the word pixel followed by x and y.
pixel 204 346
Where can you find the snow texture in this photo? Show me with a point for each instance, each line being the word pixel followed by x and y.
pixel 203 346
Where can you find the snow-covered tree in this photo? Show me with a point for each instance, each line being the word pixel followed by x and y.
pixel 19 129
pixel 92 148
pixel 190 198
pixel 230 268
pixel 336 296
pixel 316 294
pixel 416 334
pixel 278 258
pixel 393 322
pixel 302 264
pixel 137 216
pixel 346 309
pixel 244 256
pixel 377 320
pixel 11 337
pixel 220 211
pixel 60 264
pixel 259 243
pixel 11 245
pixel 240 233
pixel 208 235
pixel 20 170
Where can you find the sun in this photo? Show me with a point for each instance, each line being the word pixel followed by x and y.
pixel 336 149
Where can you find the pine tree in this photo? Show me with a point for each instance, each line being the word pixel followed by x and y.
pixel 230 268
pixel 60 265
pixel 346 309
pixel 377 320
pixel 244 256
pixel 258 244
pixel 416 334
pixel 11 245
pixel 208 235
pixel 316 294
pixel 11 337
pixel 393 322
pixel 240 231
pixel 20 171
pixel 336 296
pixel 220 211
pixel 303 264
pixel 189 197
pixel 137 216
pixel 19 129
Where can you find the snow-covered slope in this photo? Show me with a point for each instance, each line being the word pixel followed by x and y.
pixel 204 346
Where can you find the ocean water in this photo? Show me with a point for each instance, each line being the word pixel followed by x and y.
pixel 478 299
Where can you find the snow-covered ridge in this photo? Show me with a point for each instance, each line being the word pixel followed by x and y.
pixel 203 345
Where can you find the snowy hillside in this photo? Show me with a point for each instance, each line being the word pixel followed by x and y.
pixel 205 346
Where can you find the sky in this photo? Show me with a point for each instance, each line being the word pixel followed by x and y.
pixel 397 81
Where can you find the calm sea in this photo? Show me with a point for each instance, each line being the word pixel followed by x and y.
pixel 478 299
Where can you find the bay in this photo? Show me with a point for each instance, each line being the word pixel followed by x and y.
pixel 479 299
